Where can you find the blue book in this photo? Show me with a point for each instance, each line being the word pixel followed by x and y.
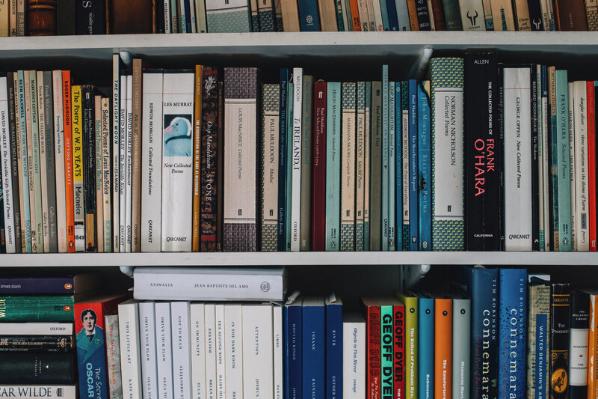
pixel 512 333
pixel 334 347
pixel 402 15
pixel 293 341
pixel 405 164
pixel 188 16
pixel 384 12
pixel 398 181
pixel 424 162
pixel 392 153
pixel 384 181
pixel 309 19
pixel 333 166
pixel 282 160
pixel 391 9
pixel 314 348
pixel 413 169
pixel 425 352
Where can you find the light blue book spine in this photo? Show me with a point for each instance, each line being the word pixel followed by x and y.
pixel 413 172
pixel 24 160
pixel 425 168
pixel 384 12
pixel 403 15
pixel 425 351
pixel 398 167
pixel 564 168
pixel 289 182
pixel 333 166
pixel 385 168
pixel 392 243
pixel 366 189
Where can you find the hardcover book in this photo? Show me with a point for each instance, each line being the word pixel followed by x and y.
pixel 36 308
pixel 472 15
pixel 228 16
pixel 36 391
pixel 570 15
pixel 37 368
pixel 90 17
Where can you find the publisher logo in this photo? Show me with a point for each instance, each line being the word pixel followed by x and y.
pixel 68 286
pixel 559 380
pixel 265 286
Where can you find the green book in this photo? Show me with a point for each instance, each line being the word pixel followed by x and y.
pixel 564 167
pixel 348 133
pixel 289 182
pixel 36 308
pixel 447 154
pixel 405 157
pixel 385 182
pixel 411 332
pixel 376 168
pixel 333 166
pixel 386 351
pixel 367 165
pixel 554 157
pixel 392 242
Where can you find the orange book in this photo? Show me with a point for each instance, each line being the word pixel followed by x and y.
pixel 354 5
pixel 197 114
pixel 443 348
pixel 68 161
pixel 593 348
pixel 412 10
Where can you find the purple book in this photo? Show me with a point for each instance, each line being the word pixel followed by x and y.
pixel 49 285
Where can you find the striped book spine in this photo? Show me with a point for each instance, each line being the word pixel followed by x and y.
pixel 269 183
pixel 240 97
pixel 347 184
pixel 360 166
pixel 333 163
pixel 384 193
pixel 447 154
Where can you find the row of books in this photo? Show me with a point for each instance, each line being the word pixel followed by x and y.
pixel 483 156
pixel 65 17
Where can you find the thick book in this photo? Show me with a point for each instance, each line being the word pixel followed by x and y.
pixel 177 161
pixel 309 18
pixel 65 18
pixel 512 332
pixel 538 337
pixel 91 344
pixel 535 15
pixel 482 155
pixel 209 284
pixel 424 170
pixel 578 344
pixel 461 348
pixel 518 158
pixel 240 113
pixel 333 164
pixel 49 284
pixel 36 343
pixel 269 173
pixel 334 347
pixel 224 16
pixel 130 16
pixel 472 15
pixel 347 184
pixel 354 356
pixel 570 15
pixel 90 17
pixel 39 391
pixel 37 368
pixel 318 172
pixel 425 350
pixel 258 353
pixel 293 346
pixel 36 308
pixel 443 348
pixel 151 159
pixel 560 337
pixel 447 154
pixel 502 15
pixel 521 15
pixel 411 304
pixel 128 326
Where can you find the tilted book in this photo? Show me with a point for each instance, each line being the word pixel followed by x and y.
pixel 240 178
pixel 447 153
pixel 347 185
pixel 177 161
pixel 269 177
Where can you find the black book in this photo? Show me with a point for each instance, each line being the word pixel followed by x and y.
pixel 580 324
pixel 36 343
pixel 535 15
pixel 559 341
pixel 65 17
pixel 483 154
pixel 159 17
pixel 90 18
pixel 37 368
pixel 89 167
pixel 535 168
pixel 282 161
pixel 14 169
pixel 423 15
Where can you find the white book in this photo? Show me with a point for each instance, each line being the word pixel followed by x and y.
pixel 128 329
pixel 164 350
pixel 59 160
pixel 377 14
pixel 43 161
pixel 113 357
pixel 221 392
pixel 233 350
pixel 354 367
pixel 210 333
pixel 296 160
pixel 38 391
pixel 44 328
pixel 580 101
pixel 278 351
pixel 181 347
pixel 198 351
pixel 213 284
pixel 177 162
pixel 192 18
pixel 518 159
pixel 116 90
pixel 129 165
pixel 472 15
pixel 578 365
pixel 167 28
pixel 151 163
pixel 257 352
pixel 147 340
pixel 572 166
pixel 122 164
pixel 9 222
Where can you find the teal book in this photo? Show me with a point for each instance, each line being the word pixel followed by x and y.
pixel 333 166
pixel 392 242
pixel 228 16
pixel 564 167
pixel 384 12
pixel 385 159
pixel 447 154
pixel 24 163
pixel 405 163
pixel 386 351
pixel 398 168
pixel 289 181
pixel 53 308
pixel 348 157
pixel 367 179
pixel 554 161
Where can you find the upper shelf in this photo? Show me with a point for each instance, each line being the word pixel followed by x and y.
pixel 299 259
pixel 284 44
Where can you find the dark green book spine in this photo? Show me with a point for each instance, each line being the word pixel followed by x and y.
pixel 376 168
pixel 36 308
pixel 452 14
pixel 37 368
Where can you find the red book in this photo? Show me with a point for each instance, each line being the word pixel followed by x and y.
pixel 372 310
pixel 68 161
pixel 443 348
pixel 592 163
pixel 318 171
pixel 398 311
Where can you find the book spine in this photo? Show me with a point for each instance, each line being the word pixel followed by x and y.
pixel 269 177
pixel 36 308
pixel 35 191
pixel 98 176
pixel 309 18
pixel 386 352
pixel 181 356
pixel 502 14
pixel 392 155
pixel 116 176
pixel 447 154
pixel 461 348
pixel 90 18
pixel 522 16
pixel 240 92
pixel 24 165
pixel 367 177
pixel 293 327
pixel 591 123
pixel 289 170
pixel 233 350
pixel 319 155
pixel 425 359
pixel 283 160
pixel 7 188
pixel 68 161
pixel 296 160
pixel 334 351
pixel 560 340
pixel 423 16
pixel 563 163
pixel 592 347
pixel 424 170
pixel 151 157
pixel 37 368
pixel 384 183
pixel 135 145
pixel 413 168
pixel 354 355
pixel 257 350
pixel 538 344
pixel 547 10
pixel 210 332
pixel 49 111
pixel 43 159
pixel 128 179
pixel 221 385
pixel 398 331
pixel 472 15
pixel 578 344
pixel 13 161
pixel 375 211
pixel 106 174
pixel 411 347
pixel 452 15
pixel 535 15
pixel 278 363
pixel 197 119
pixel 33 343
pixel 36 328
pixel 443 348
pixel 164 350
pixel 313 351
pixel 571 15
pixel 373 352
pixel 347 184
pixel 580 152
pixel 89 168
pixel 198 350
pixel 38 390
pixel 77 140
pixel 405 164
pixel 572 167
pixel 592 14
pixel 128 329
pixel 333 165
pixel 535 153
pixel 20 20
pixel 545 193
pixel 147 342
pixel 113 357
pixel 265 14
pixel 512 330
pixel 122 165
pixel 360 167
pixel 306 147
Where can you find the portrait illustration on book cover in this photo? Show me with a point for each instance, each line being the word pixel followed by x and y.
pixel 90 339
pixel 177 135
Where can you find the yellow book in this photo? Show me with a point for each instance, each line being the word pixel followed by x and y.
pixel 78 194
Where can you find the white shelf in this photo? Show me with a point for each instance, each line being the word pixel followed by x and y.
pixel 299 259
pixel 296 44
